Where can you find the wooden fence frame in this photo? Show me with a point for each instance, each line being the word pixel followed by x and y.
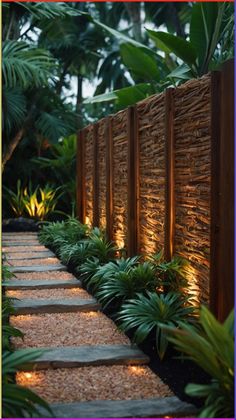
pixel 222 185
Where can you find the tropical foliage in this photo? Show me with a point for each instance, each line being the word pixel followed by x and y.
pixel 211 29
pixel 210 345
pixel 147 314
pixel 37 204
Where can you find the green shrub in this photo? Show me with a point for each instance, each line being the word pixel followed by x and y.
pixel 108 271
pixel 123 285
pixel 171 274
pixel 148 314
pixel 210 345
pixel 57 234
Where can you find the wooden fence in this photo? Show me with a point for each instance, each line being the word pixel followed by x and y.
pixel 160 175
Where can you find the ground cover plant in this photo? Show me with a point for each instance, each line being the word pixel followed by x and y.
pixel 150 302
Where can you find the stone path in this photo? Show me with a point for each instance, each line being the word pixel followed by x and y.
pixel 89 368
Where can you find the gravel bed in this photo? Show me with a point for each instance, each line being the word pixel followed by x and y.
pixel 49 294
pixel 48 275
pixel 27 248
pixel 28 263
pixel 95 383
pixel 23 255
pixel 67 329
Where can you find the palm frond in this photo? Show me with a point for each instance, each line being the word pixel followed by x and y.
pixel 24 65
pixel 14 109
pixel 56 124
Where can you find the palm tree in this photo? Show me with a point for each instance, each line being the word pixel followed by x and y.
pixel 29 72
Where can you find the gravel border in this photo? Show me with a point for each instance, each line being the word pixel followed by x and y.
pixel 95 383
pixel 66 329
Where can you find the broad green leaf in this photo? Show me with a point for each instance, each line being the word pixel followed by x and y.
pixel 201 29
pixel 181 72
pixel 139 63
pixel 179 46
pixel 124 97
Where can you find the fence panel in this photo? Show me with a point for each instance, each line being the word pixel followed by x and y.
pixel 163 178
pixel 151 132
pixel 192 125
pixel 101 157
pixel 120 178
pixel 89 173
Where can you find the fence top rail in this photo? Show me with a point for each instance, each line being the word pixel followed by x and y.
pixel 184 86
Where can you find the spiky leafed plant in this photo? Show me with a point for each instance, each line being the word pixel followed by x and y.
pixel 89 269
pixel 107 271
pixel 150 313
pixel 210 344
pixel 125 285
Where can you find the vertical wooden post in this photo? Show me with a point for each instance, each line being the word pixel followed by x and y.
pixel 133 167
pixel 222 195
pixel 109 178
pixel 80 179
pixel 169 165
pixel 215 189
pixel 95 177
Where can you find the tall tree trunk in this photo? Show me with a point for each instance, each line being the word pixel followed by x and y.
pixel 11 147
pixel 134 11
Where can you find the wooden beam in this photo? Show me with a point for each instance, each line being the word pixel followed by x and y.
pixel 170 182
pixel 133 181
pixel 215 190
pixel 109 178
pixel 95 177
pixel 80 179
pixel 222 197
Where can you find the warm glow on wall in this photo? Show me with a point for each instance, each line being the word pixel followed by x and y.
pixel 193 287
pixel 88 221
pixel 120 243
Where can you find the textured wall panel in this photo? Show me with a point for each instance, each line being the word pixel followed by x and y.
pixel 102 173
pixel 192 180
pixel 120 178
pixel 151 119
pixel 88 171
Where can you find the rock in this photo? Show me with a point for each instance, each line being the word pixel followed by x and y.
pixel 20 224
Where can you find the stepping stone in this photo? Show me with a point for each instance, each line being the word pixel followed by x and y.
pixel 38 254
pixel 37 268
pixel 49 306
pixel 147 408
pixel 41 284
pixel 69 357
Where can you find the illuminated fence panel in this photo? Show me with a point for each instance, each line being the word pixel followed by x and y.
pixel 151 116
pixel 164 179
pixel 192 125
pixel 101 157
pixel 120 178
pixel 88 174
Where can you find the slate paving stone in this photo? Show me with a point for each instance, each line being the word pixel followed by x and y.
pixel 36 306
pixel 69 357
